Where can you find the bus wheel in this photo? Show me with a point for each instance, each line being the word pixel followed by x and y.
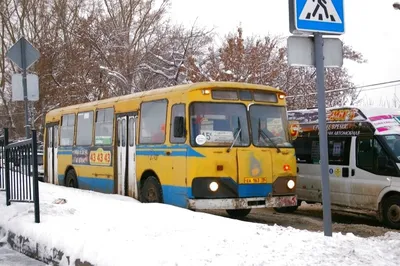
pixel 71 180
pixel 391 211
pixel 238 213
pixel 151 191
pixel 286 209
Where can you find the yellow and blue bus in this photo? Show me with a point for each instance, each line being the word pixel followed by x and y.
pixel 210 145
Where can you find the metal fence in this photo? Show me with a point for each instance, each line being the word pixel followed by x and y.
pixel 20 171
pixel 2 175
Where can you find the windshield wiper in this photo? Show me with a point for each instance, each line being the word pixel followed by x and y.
pixel 236 137
pixel 262 133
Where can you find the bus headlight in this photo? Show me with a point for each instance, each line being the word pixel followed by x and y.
pixel 213 186
pixel 290 184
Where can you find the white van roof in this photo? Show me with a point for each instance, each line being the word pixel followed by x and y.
pixel 384 120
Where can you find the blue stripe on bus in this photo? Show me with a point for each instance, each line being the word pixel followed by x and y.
pixel 179 150
pixel 254 190
pixel 176 196
pixel 161 153
pixel 64 152
pixel 173 195
pixel 96 184
pixel 61 180
pixel 92 183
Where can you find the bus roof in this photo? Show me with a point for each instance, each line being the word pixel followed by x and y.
pixel 162 91
pixel 384 120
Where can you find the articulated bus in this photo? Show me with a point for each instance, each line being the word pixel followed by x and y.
pixel 364 159
pixel 212 145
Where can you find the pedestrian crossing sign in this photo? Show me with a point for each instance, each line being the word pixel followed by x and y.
pixel 324 16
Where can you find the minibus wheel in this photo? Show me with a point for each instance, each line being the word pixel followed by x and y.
pixel 238 213
pixel 391 211
pixel 70 179
pixel 151 191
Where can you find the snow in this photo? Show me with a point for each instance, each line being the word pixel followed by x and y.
pixel 115 230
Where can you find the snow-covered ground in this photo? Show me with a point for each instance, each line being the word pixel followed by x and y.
pixel 114 230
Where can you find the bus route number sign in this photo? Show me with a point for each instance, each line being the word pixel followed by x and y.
pixel 100 157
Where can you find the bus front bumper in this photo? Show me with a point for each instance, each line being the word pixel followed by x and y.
pixel 243 203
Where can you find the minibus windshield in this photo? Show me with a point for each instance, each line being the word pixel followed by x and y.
pixel 393 141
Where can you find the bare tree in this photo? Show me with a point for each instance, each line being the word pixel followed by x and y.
pixel 166 58
pixel 264 61
pixel 82 42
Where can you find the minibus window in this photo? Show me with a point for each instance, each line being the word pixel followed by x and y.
pixel 372 157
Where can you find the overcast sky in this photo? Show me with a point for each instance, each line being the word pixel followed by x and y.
pixel 372 27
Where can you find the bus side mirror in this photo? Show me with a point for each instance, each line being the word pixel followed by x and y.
pixel 179 127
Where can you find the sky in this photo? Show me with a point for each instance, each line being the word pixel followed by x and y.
pixel 372 27
pixel 105 229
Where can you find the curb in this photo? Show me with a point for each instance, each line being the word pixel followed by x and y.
pixel 40 252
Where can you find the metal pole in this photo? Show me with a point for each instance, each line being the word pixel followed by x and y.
pixel 7 167
pixel 323 137
pixel 25 87
pixel 35 177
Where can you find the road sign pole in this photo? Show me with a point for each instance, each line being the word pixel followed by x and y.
pixel 25 87
pixel 323 137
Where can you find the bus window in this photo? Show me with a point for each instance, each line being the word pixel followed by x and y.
pixel 177 110
pixel 123 132
pixel 119 133
pixel 104 126
pixel 131 131
pixel 67 130
pixel 219 123
pixel 152 122
pixel 245 95
pixel 269 126
pixel 84 129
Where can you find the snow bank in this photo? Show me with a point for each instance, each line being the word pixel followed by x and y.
pixel 114 230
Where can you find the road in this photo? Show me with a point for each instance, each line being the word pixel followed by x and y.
pixel 10 257
pixel 309 217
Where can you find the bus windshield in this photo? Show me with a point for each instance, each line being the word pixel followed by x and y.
pixel 269 126
pixel 219 124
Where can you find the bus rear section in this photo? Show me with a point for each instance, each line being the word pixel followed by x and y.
pixel 244 158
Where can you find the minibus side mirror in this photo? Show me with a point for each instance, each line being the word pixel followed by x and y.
pixel 179 127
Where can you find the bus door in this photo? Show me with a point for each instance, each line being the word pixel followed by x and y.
pixel 52 149
pixel 126 155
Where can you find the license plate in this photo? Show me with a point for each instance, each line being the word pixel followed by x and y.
pixel 255 180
